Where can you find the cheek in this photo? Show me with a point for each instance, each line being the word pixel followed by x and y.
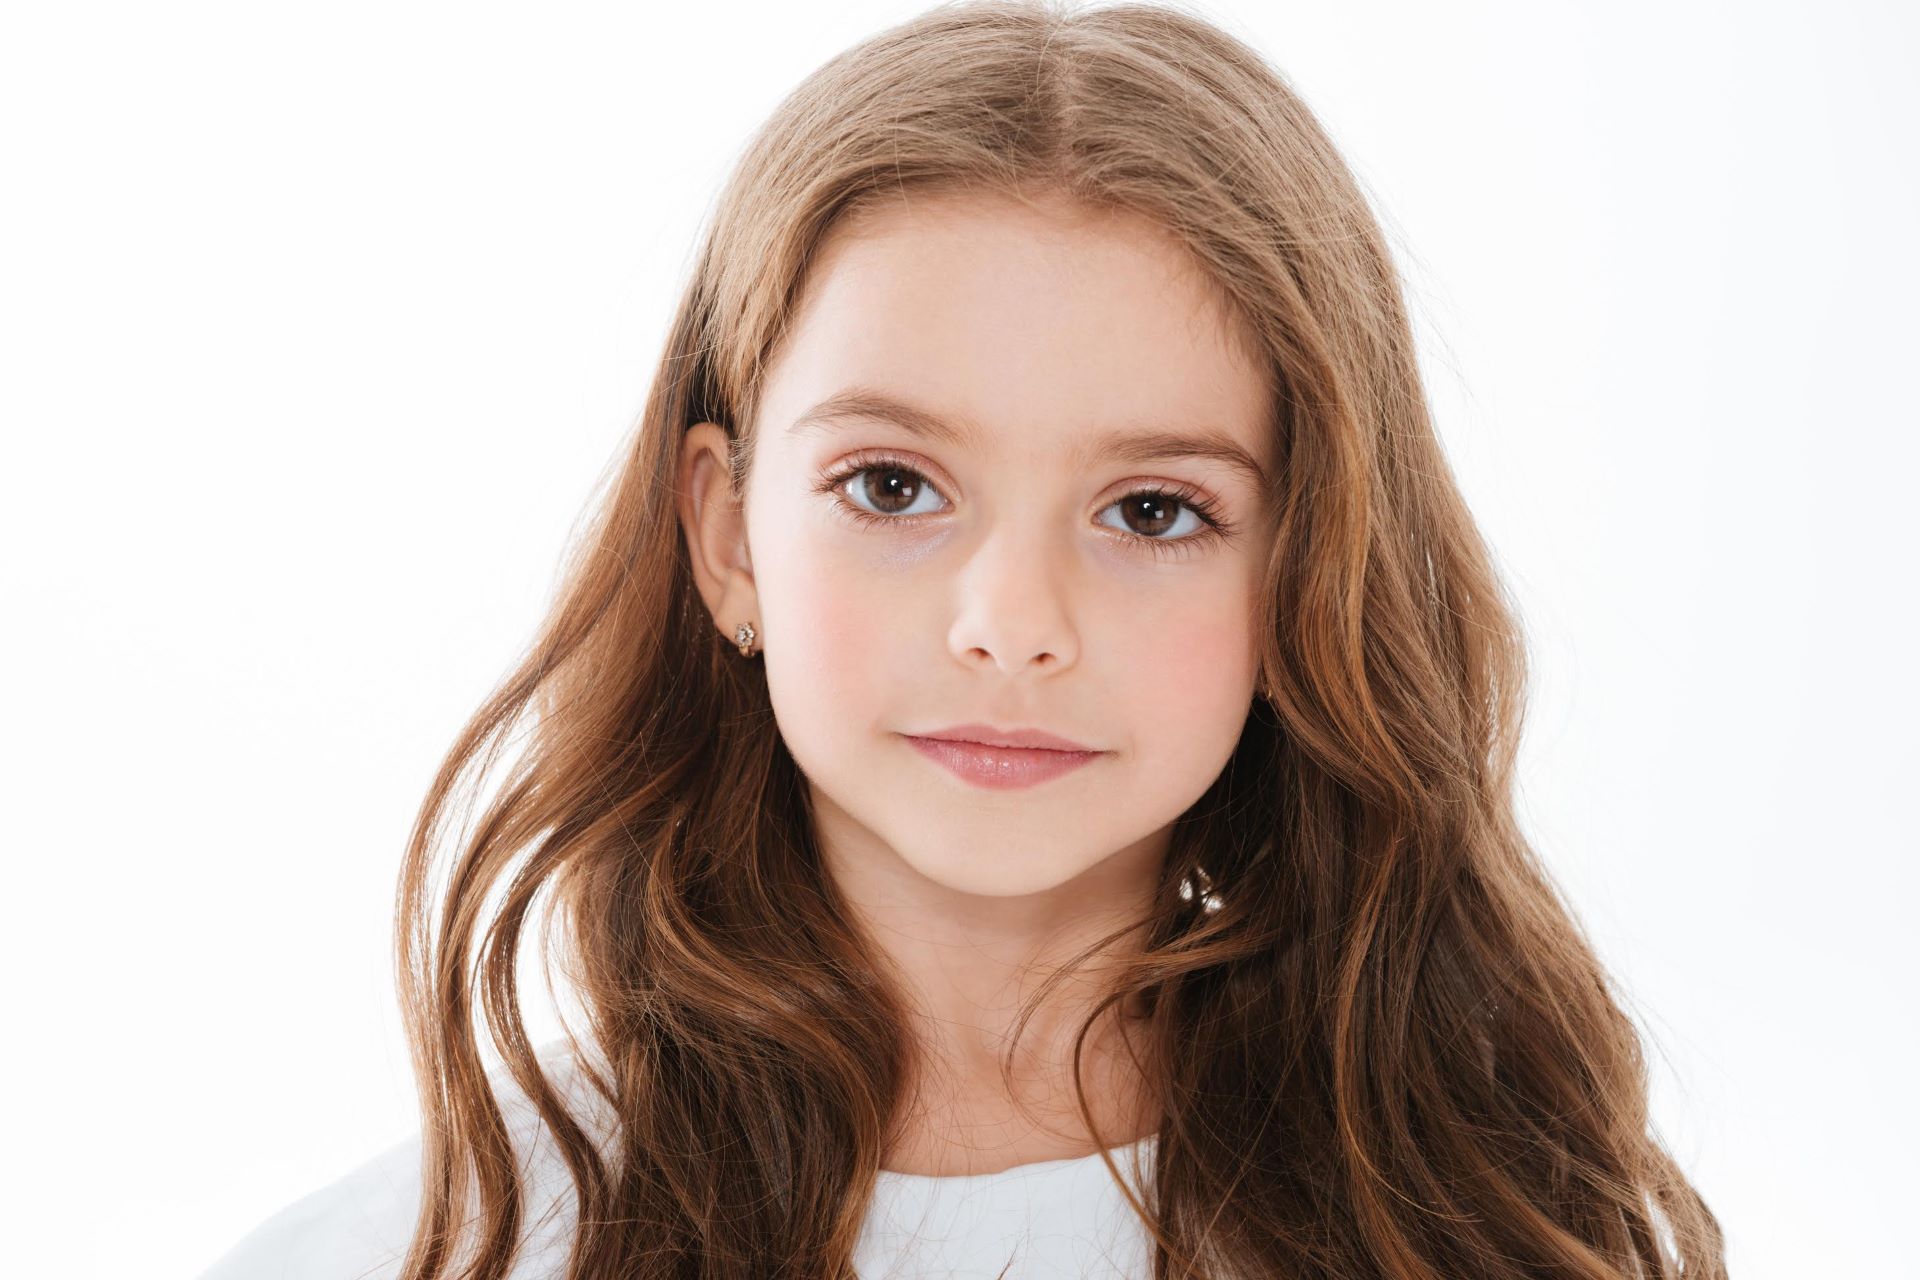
pixel 832 632
pixel 1189 662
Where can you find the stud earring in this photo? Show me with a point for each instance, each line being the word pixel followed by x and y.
pixel 743 636
pixel 1210 901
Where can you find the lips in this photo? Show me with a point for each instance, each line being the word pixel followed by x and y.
pixel 1002 767
pixel 987 735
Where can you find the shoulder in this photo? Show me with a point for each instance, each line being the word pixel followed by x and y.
pixel 360 1226
pixel 356 1228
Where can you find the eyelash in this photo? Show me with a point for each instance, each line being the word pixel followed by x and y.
pixel 1217 526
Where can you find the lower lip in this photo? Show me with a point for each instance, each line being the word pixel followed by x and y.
pixel 1001 768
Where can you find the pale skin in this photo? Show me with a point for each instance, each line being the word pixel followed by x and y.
pixel 998 584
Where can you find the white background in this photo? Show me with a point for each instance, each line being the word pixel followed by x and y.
pixel 320 323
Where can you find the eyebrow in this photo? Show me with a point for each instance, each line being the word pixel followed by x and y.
pixel 863 404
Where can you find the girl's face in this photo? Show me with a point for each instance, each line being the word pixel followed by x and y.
pixel 1021 543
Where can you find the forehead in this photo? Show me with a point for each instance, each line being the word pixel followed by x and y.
pixel 1043 323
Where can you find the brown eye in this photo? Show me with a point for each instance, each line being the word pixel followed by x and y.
pixel 878 491
pixel 890 489
pixel 1154 512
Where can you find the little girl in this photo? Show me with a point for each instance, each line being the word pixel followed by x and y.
pixel 1018 775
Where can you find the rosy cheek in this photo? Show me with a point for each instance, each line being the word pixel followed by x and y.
pixel 844 614
pixel 1197 658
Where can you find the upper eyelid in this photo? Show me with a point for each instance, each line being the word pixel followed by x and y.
pixel 861 460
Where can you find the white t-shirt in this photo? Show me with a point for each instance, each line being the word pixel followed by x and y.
pixel 1054 1218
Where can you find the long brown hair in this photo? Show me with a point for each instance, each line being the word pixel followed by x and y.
pixel 1381 1045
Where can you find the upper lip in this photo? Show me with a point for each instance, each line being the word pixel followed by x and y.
pixel 988 736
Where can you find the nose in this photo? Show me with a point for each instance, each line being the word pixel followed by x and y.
pixel 1014 611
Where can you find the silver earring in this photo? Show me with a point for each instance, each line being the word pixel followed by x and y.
pixel 1210 903
pixel 743 636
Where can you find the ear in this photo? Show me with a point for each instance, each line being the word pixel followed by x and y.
pixel 714 522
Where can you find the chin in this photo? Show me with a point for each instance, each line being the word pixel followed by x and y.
pixel 991 870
